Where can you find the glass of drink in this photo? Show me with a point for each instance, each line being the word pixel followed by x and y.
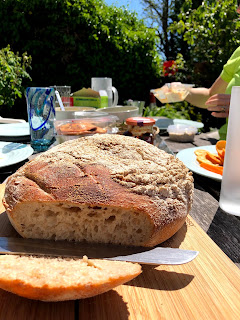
pixel 41 117
pixel 230 188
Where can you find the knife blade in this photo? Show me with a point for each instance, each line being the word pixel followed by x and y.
pixel 142 255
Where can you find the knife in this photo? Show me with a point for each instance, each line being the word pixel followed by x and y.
pixel 142 255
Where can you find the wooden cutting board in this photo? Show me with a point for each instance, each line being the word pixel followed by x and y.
pixel 206 288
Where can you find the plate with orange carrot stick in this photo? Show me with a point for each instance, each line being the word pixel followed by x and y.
pixel 207 161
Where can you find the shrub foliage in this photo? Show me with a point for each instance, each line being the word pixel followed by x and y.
pixel 71 41
pixel 13 72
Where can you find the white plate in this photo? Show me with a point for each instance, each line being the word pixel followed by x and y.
pixel 164 123
pixel 14 129
pixel 11 153
pixel 188 157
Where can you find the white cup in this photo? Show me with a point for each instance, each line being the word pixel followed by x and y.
pixel 98 84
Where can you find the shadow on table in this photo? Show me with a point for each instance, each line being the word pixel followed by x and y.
pixel 176 240
pixel 213 141
pixel 109 305
pixel 152 278
pixel 224 231
pixel 103 306
pixel 14 307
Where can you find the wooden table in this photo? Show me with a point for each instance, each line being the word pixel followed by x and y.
pixel 206 288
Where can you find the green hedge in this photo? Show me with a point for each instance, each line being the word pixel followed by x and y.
pixel 71 41
pixel 13 75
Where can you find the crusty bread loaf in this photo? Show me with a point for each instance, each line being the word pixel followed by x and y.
pixel 58 279
pixel 103 188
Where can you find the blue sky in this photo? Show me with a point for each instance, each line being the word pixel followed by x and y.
pixel 133 5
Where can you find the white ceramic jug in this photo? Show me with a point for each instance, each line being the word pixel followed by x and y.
pixel 98 84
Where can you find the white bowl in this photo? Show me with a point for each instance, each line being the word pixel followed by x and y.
pixel 71 112
pixel 122 112
pixel 181 132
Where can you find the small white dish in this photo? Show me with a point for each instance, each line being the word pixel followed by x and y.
pixel 181 132
pixel 12 153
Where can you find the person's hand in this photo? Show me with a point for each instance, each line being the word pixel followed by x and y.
pixel 219 105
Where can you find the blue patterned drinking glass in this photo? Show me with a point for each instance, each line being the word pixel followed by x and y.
pixel 41 117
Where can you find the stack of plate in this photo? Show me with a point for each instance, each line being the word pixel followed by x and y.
pixel 15 132
pixel 12 151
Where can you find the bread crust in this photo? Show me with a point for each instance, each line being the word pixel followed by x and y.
pixel 93 171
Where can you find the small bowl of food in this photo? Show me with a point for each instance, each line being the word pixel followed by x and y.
pixel 181 132
pixel 70 129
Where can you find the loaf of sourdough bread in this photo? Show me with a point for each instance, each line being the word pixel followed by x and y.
pixel 58 279
pixel 103 188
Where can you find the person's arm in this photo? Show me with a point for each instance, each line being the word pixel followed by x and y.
pixel 199 96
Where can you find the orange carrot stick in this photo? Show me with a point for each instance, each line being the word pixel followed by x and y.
pixel 212 167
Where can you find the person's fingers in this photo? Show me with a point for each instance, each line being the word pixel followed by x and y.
pixel 222 109
pixel 219 104
pixel 219 99
pixel 219 111
pixel 219 114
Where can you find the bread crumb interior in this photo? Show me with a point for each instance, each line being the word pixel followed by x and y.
pixel 62 272
pixel 60 221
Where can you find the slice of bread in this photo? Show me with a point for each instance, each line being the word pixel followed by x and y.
pixel 59 279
